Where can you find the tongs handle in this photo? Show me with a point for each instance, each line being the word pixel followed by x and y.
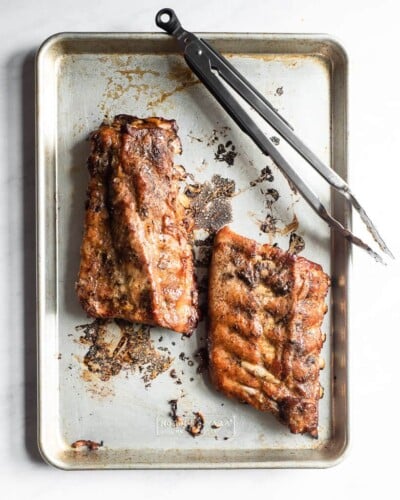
pixel 167 20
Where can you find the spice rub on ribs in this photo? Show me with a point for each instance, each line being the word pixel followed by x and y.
pixel 136 254
pixel 266 308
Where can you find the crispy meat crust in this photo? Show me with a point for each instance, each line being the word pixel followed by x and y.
pixel 266 308
pixel 136 254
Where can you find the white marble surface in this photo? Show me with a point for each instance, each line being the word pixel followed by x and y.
pixel 369 31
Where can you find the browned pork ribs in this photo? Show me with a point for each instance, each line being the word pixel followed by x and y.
pixel 136 254
pixel 266 308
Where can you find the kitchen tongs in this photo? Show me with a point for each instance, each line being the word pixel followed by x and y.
pixel 205 62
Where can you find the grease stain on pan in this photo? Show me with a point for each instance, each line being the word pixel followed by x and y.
pixel 165 95
pixel 145 82
pixel 116 88
pixel 95 387
pixel 122 77
pixel 182 76
pixel 125 80
pixel 137 71
pixel 289 60
pixel 180 72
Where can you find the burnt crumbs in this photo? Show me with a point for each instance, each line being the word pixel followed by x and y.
pixel 177 420
pixel 265 175
pixel 210 203
pixel 196 428
pixel 296 243
pixel 275 140
pixel 128 348
pixel 87 443
pixel 269 224
pixel 226 153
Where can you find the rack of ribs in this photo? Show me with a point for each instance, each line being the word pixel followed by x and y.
pixel 136 255
pixel 266 307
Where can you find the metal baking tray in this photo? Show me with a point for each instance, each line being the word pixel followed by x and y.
pixel 83 78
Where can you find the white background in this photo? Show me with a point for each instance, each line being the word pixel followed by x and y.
pixel 369 30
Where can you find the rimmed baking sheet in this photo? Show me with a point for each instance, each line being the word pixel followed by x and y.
pixel 83 78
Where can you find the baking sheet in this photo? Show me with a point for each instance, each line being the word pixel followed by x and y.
pixel 83 78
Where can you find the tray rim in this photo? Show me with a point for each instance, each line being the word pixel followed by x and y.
pixel 70 37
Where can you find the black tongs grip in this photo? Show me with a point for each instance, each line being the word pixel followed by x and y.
pixel 205 62
pixel 167 20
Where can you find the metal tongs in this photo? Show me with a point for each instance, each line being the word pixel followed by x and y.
pixel 204 62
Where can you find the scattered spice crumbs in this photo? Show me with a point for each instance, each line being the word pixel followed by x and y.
pixel 210 203
pixel 127 347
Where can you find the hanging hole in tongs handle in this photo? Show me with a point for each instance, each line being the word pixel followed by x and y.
pixel 167 20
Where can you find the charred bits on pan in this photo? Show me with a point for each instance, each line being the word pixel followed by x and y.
pixel 210 203
pixel 226 153
pixel 128 348
pixel 87 443
pixel 265 175
pixel 226 150
pixel 176 419
pixel 196 428
pixel 296 244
